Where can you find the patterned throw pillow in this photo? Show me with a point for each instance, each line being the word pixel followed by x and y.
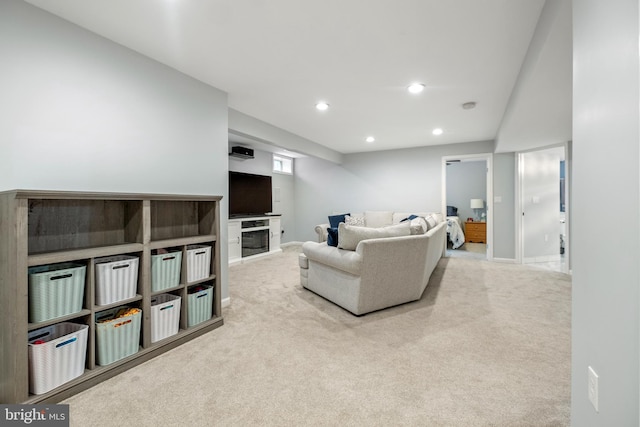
pixel 432 221
pixel 358 221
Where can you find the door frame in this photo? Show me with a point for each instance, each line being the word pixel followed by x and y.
pixel 488 158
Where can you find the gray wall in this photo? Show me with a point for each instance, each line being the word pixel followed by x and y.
pixel 79 112
pixel 282 184
pixel 606 182
pixel 466 181
pixel 504 199
pixel 399 180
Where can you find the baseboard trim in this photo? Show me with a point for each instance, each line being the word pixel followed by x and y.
pixel 505 260
pixel 226 302
pixel 294 243
pixel 545 258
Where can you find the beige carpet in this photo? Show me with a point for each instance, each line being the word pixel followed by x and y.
pixel 487 345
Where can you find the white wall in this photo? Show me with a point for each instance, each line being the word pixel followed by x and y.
pixel 400 180
pixel 79 112
pixel 466 181
pixel 606 184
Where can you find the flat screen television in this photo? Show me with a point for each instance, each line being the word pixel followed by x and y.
pixel 249 194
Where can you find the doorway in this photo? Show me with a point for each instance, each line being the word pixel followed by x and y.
pixel 543 218
pixel 467 197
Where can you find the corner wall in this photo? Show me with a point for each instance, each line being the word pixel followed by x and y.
pixel 606 184
pixel 79 112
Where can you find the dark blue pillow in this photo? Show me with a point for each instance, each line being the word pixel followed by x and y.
pixel 332 236
pixel 452 211
pixel 409 218
pixel 334 220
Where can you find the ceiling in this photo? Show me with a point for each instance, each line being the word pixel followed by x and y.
pixel 277 58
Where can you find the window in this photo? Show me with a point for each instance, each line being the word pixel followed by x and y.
pixel 282 164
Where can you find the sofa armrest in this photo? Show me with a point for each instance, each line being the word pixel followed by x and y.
pixel 348 261
pixel 321 229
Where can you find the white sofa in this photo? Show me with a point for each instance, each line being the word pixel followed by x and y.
pixel 381 272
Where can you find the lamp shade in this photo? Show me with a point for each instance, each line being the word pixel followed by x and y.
pixel 477 204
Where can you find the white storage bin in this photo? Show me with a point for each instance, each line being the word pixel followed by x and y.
pixel 57 355
pixel 198 262
pixel 55 290
pixel 200 305
pixel 116 278
pixel 165 270
pixel 119 337
pixel 165 316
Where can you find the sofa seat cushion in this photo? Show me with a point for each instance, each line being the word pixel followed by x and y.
pixel 348 261
pixel 349 235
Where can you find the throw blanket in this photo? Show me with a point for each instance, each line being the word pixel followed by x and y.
pixel 456 235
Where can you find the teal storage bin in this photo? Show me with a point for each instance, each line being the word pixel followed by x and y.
pixel 200 304
pixel 55 290
pixel 117 337
pixel 165 270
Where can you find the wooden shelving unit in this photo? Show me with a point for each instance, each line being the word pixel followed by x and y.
pixel 49 227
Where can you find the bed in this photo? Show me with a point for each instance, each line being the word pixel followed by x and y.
pixel 454 228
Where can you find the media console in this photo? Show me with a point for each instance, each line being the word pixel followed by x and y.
pixel 253 237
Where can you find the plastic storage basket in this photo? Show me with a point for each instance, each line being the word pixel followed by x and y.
pixel 118 337
pixel 165 270
pixel 198 262
pixel 165 316
pixel 200 305
pixel 116 278
pixel 57 355
pixel 55 290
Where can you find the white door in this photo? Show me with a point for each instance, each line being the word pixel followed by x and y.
pixel 274 234
pixel 235 241
pixel 540 207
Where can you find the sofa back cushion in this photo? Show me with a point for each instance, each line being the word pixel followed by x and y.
pixel 349 235
pixel 377 219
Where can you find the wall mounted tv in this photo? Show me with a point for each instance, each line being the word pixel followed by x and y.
pixel 249 194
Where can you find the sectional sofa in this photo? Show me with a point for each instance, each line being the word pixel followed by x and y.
pixel 374 267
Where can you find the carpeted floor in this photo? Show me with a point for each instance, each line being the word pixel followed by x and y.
pixel 487 345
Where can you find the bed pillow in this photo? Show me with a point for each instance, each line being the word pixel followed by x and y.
pixel 452 211
pixel 349 235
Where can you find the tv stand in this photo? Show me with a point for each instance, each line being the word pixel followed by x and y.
pixel 252 237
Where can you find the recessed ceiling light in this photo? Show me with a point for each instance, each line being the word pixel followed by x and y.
pixel 416 87
pixel 437 131
pixel 469 105
pixel 370 139
pixel 322 106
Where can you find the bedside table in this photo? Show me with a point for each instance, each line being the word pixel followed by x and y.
pixel 475 232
